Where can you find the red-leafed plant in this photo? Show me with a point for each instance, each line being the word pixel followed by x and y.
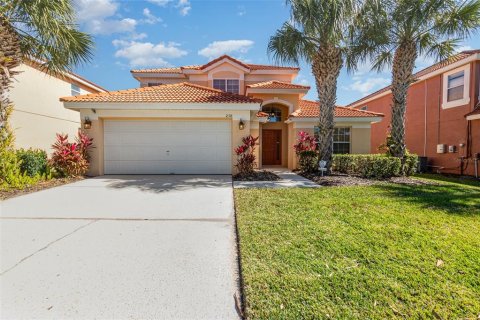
pixel 306 150
pixel 71 159
pixel 246 156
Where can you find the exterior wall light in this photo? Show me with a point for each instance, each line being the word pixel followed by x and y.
pixel 87 123
pixel 241 125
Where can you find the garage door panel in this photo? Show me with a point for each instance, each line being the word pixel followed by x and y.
pixel 164 147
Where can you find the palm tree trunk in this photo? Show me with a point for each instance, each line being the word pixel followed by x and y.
pixel 10 57
pixel 403 64
pixel 326 66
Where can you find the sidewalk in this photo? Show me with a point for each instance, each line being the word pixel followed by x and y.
pixel 288 178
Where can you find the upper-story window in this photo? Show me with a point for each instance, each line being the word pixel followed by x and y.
pixel 227 85
pixel 151 84
pixel 456 87
pixel 75 90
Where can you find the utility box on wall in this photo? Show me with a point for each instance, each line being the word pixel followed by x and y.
pixel 441 148
pixel 452 149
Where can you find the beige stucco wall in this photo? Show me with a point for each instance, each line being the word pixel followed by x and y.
pixel 359 144
pixel 38 114
pixel 360 140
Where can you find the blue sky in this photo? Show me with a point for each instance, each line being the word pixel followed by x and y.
pixel 158 33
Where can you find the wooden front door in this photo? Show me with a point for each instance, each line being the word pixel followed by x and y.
pixel 271 147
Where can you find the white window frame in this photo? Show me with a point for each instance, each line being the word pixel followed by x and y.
pixel 226 82
pixel 72 90
pixel 315 132
pixel 466 88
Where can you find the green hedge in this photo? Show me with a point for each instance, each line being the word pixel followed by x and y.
pixel 32 162
pixel 377 166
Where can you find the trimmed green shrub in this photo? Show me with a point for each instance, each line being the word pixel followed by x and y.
pixel 411 164
pixel 11 175
pixel 33 162
pixel 377 166
pixel 308 161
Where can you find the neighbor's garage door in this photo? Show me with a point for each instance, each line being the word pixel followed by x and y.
pixel 165 147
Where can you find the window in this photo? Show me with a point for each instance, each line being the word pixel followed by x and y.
pixel 274 113
pixel 456 87
pixel 341 139
pixel 364 108
pixel 75 90
pixel 227 85
pixel 151 84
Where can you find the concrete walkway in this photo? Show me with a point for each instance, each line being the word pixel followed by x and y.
pixel 121 247
pixel 288 178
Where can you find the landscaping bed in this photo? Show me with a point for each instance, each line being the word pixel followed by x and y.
pixel 42 185
pixel 339 179
pixel 257 175
pixel 380 251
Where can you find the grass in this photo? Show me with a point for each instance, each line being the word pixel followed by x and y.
pixel 376 252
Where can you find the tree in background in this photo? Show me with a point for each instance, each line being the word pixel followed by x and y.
pixel 41 30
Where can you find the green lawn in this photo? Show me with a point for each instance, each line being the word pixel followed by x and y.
pixel 361 252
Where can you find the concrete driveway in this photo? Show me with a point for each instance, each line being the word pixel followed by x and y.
pixel 121 247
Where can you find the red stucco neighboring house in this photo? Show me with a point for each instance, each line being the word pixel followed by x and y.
pixel 443 114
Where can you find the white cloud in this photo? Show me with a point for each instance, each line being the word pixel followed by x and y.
pixel 138 36
pixel 367 85
pixel 241 11
pixel 218 48
pixel 184 7
pixel 98 17
pixel 302 80
pixel 161 3
pixel 147 53
pixel 463 48
pixel 150 18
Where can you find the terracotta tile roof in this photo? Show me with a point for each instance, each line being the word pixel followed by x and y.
pixel 277 85
pixel 261 114
pixel 158 70
pixel 460 56
pixel 169 93
pixel 309 109
pixel 270 67
pixel 203 66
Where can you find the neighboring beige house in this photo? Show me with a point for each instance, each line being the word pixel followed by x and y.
pixel 38 115
pixel 188 120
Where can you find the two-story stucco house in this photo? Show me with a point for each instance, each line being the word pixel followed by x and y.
pixel 443 114
pixel 37 114
pixel 188 120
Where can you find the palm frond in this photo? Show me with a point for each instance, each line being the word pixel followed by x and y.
pixel 290 45
pixel 48 33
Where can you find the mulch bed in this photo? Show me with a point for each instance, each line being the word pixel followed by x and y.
pixel 339 179
pixel 258 175
pixel 10 193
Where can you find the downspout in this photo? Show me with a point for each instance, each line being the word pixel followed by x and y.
pixel 425 123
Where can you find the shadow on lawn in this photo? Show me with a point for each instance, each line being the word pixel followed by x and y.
pixel 453 198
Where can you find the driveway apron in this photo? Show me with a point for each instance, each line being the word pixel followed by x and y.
pixel 121 247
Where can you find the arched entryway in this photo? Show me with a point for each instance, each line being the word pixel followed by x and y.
pixel 274 135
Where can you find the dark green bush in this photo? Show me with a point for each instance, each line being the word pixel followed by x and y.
pixel 411 164
pixel 308 161
pixel 33 162
pixel 377 166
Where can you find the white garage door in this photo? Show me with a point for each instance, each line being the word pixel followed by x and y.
pixel 166 147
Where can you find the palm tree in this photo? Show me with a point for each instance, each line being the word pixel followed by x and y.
pixel 318 33
pixel 42 30
pixel 396 32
